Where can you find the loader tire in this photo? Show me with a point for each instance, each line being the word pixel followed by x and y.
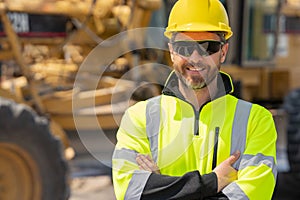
pixel 292 107
pixel 32 165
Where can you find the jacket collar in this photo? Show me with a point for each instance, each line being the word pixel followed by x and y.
pixel 225 85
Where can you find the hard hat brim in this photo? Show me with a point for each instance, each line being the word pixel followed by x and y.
pixel 198 27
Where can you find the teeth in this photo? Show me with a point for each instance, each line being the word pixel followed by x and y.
pixel 196 69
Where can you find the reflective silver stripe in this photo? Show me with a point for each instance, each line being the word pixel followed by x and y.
pixel 239 129
pixel 153 124
pixel 256 160
pixel 126 154
pixel 140 177
pixel 233 191
pixel 136 185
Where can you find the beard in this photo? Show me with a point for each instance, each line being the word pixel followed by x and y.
pixel 197 82
pixel 194 83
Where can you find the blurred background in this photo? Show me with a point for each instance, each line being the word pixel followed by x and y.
pixel 70 68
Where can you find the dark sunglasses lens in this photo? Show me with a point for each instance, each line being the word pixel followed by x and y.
pixel 184 48
pixel 211 47
pixel 204 48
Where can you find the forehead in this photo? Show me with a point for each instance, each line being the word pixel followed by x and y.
pixel 196 36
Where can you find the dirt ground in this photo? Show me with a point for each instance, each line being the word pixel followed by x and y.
pixel 92 188
pixel 91 179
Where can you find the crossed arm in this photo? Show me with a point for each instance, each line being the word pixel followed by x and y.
pixel 225 172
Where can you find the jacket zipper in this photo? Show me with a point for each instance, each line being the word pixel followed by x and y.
pixel 214 162
pixel 197 117
pixel 196 128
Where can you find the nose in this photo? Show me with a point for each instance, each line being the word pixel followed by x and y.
pixel 195 57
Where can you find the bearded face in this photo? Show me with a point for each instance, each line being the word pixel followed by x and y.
pixel 197 57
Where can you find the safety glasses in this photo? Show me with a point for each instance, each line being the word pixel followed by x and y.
pixel 204 48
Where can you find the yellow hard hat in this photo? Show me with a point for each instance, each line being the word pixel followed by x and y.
pixel 198 15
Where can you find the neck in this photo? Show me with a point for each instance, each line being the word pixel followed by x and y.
pixel 199 97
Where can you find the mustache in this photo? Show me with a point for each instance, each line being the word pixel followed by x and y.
pixel 193 64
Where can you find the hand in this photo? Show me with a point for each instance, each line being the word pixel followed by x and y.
pixel 225 172
pixel 146 163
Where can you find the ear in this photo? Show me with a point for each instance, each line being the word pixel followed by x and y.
pixel 171 51
pixel 224 51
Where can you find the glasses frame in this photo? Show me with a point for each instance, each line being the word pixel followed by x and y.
pixel 196 45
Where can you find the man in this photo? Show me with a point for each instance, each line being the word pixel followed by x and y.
pixel 196 141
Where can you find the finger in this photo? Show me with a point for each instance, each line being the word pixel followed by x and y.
pixel 146 163
pixel 142 164
pixel 145 167
pixel 146 159
pixel 234 157
pixel 138 160
pixel 149 162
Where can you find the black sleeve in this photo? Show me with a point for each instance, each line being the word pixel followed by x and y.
pixel 219 196
pixel 188 187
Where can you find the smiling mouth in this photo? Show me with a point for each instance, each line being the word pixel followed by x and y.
pixel 195 69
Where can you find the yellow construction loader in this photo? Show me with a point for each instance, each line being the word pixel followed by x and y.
pixel 43 43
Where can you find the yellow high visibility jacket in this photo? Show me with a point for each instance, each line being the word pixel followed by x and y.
pixel 181 139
